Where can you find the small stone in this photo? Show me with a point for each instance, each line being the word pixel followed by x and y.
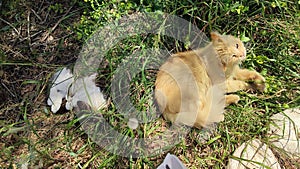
pixel 171 162
pixel 133 123
pixel 50 39
pixel 284 132
pixel 253 154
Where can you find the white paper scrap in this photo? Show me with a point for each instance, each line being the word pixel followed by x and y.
pixel 61 81
pixel 85 90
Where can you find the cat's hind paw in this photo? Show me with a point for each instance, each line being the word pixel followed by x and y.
pixel 232 99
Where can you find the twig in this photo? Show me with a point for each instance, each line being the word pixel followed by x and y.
pixel 28 30
pixel 41 5
pixel 17 53
pixel 58 22
pixel 36 15
pixel 10 26
pixel 9 91
pixel 210 22
pixel 46 17
pixel 41 91
pixel 31 36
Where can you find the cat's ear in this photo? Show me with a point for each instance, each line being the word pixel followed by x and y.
pixel 216 37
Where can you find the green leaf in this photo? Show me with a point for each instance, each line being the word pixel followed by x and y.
pixel 244 38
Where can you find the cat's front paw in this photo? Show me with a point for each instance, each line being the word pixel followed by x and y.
pixel 256 82
pixel 260 86
pixel 255 77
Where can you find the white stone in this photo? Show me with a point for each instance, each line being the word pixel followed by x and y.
pixel 85 90
pixel 284 131
pixel 253 154
pixel 171 162
pixel 61 81
pixel 133 123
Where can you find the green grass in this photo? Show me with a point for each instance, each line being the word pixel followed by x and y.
pixel 31 133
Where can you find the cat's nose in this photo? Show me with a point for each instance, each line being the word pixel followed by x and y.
pixel 243 57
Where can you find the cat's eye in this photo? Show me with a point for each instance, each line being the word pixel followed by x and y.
pixel 237 46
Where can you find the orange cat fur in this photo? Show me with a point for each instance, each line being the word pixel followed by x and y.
pixel 189 81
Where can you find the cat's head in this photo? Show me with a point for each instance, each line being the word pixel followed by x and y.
pixel 230 50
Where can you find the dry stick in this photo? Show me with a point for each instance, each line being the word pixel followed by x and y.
pixel 31 36
pixel 34 12
pixel 10 26
pixel 28 31
pixel 210 22
pixel 18 37
pixel 46 17
pixel 5 47
pixel 41 91
pixel 9 91
pixel 58 22
pixel 204 27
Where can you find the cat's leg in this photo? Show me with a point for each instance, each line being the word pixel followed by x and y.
pixel 255 80
pixel 248 75
pixel 231 99
pixel 235 85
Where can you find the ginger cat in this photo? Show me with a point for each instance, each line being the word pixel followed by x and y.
pixel 191 86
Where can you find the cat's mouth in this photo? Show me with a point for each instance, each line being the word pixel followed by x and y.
pixel 243 57
pixel 239 58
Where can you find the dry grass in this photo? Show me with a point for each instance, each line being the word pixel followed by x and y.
pixel 38 37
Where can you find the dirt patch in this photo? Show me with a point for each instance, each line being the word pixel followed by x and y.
pixel 36 38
